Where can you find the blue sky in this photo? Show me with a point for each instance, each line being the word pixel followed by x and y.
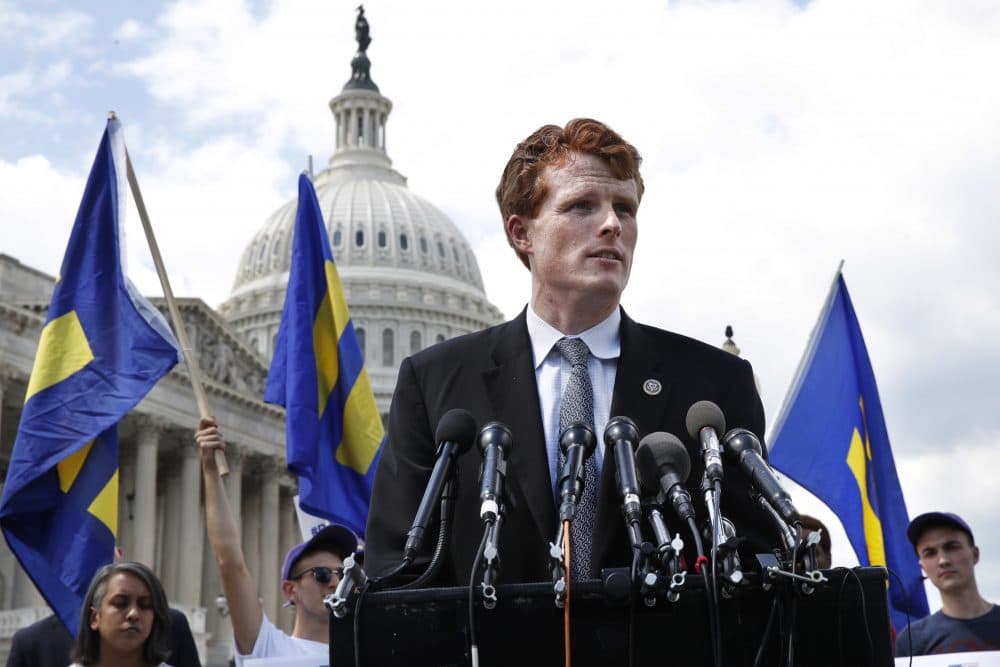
pixel 778 138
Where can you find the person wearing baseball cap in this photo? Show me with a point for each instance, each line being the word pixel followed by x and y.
pixel 310 572
pixel 966 622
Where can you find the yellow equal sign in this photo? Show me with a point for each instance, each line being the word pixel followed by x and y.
pixel 62 351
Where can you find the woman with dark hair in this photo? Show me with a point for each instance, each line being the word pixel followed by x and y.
pixel 125 620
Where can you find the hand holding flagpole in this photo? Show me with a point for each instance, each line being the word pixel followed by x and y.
pixel 175 315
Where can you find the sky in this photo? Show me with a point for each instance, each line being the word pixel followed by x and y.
pixel 778 138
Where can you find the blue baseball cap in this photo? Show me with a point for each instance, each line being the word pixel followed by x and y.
pixel 334 538
pixel 928 520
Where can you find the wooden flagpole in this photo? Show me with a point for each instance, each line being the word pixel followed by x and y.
pixel 175 314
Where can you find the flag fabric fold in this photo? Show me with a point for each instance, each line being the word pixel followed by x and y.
pixel 102 349
pixel 333 429
pixel 832 440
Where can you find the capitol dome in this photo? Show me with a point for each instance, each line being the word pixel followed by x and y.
pixel 409 275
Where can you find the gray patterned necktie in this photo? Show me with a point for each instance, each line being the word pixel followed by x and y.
pixel 577 405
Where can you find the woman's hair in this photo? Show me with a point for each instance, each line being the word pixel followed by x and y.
pixel 87 648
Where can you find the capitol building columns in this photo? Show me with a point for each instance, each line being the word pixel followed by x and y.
pixel 142 517
pixel 270 560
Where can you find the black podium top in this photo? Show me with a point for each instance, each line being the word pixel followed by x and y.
pixel 844 621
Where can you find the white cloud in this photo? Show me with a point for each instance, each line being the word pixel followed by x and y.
pixel 38 204
pixel 129 30
pixel 19 90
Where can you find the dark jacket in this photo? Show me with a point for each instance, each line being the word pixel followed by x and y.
pixel 491 374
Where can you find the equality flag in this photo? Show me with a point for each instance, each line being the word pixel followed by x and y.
pixel 102 349
pixel 832 440
pixel 332 427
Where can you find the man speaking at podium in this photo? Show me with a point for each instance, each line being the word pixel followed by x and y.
pixel 569 198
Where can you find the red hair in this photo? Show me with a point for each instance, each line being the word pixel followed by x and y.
pixel 523 187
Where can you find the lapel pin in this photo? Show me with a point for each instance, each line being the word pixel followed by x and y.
pixel 652 387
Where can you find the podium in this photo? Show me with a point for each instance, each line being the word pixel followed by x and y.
pixel 844 621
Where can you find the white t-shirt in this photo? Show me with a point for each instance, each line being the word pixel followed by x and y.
pixel 273 643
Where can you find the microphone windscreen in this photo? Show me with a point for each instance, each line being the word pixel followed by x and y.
pixel 702 414
pixel 457 426
pixel 659 453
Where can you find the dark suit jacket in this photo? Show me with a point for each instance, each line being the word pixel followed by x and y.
pixel 47 643
pixel 491 374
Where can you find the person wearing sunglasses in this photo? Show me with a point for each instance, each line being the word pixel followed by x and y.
pixel 311 570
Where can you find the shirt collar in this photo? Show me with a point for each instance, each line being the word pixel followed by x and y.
pixel 603 339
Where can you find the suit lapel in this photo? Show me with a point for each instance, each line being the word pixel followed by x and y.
pixel 639 363
pixel 513 394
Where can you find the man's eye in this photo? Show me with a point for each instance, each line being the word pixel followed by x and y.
pixel 624 209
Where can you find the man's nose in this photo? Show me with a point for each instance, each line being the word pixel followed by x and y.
pixel 611 224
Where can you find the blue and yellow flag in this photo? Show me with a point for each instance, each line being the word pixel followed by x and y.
pixel 102 349
pixel 333 430
pixel 831 439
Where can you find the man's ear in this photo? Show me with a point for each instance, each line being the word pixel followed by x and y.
pixel 975 555
pixel 288 588
pixel 518 233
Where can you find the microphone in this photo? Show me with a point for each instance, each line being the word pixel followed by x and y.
pixel 621 436
pixel 577 442
pixel 664 464
pixel 454 435
pixel 704 422
pixel 744 447
pixel 494 443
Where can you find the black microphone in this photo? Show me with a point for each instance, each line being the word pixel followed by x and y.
pixel 704 423
pixel 744 447
pixel 494 443
pixel 454 435
pixel 578 443
pixel 621 435
pixel 664 466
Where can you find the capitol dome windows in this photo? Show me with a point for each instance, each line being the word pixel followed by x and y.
pixel 423 245
pixel 415 342
pixel 359 238
pixel 382 240
pixel 388 347
pixel 338 237
pixel 404 242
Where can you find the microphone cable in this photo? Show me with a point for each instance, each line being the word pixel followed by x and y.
pixel 717 621
pixel 636 557
pixel 567 645
pixel 444 529
pixel 794 600
pixel 700 567
pixel 473 644
pixel 906 608
pixel 864 613
pixel 767 629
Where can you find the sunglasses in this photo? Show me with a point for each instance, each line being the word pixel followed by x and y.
pixel 322 574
